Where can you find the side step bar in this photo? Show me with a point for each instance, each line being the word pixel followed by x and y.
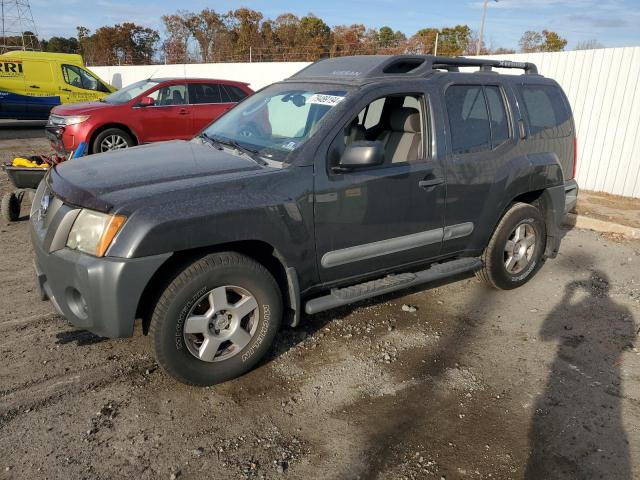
pixel 390 283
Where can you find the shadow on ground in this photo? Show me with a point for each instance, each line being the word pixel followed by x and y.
pixel 80 337
pixel 577 430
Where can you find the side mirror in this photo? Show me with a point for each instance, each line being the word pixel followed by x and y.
pixel 361 154
pixel 146 102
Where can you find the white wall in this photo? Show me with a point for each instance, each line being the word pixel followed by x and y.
pixel 603 87
pixel 258 75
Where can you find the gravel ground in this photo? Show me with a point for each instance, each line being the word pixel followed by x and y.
pixel 541 382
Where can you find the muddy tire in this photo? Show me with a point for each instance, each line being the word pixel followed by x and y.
pixel 10 207
pixel 216 319
pixel 112 139
pixel 515 251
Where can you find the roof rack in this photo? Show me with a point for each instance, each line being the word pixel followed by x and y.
pixel 361 68
pixel 485 65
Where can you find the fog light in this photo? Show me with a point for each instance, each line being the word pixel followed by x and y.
pixel 76 303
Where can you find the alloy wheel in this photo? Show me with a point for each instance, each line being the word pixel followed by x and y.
pixel 221 323
pixel 520 247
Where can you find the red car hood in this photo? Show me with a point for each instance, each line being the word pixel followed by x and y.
pixel 81 108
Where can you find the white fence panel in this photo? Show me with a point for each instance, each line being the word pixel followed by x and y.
pixel 603 87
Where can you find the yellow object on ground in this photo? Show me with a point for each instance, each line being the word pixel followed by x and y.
pixel 25 162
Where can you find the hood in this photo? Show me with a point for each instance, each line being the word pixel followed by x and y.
pixel 81 108
pixel 115 179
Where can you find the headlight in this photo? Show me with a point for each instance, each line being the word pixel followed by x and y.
pixel 93 232
pixel 74 119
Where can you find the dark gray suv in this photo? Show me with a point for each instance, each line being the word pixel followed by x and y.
pixel 356 177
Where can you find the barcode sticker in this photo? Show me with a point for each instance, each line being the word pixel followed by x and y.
pixel 320 99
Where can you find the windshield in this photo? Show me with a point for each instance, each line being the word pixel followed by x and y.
pixel 130 92
pixel 277 120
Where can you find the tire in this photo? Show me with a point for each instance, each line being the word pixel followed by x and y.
pixel 187 304
pixel 114 136
pixel 509 265
pixel 10 207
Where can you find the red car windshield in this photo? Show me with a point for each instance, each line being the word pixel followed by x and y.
pixel 130 92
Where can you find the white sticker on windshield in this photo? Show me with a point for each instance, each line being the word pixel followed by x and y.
pixel 320 99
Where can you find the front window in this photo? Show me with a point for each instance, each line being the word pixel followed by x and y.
pixel 80 78
pixel 128 93
pixel 276 121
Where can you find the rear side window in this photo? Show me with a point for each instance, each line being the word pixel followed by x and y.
pixel 235 94
pixel 204 93
pixel 478 119
pixel 546 111
pixel 498 115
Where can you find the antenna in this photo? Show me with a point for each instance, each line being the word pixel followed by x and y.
pixel 17 28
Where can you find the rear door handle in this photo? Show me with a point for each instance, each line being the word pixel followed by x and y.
pixel 430 182
pixel 183 111
pixel 65 90
pixel 34 86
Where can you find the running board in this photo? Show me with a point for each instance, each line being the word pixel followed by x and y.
pixel 390 283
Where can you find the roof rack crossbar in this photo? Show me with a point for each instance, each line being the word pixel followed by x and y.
pixel 483 64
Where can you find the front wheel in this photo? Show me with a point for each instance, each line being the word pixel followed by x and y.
pixel 217 319
pixel 112 139
pixel 516 249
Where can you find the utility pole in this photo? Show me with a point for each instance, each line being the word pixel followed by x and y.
pixel 435 49
pixel 481 34
pixel 18 28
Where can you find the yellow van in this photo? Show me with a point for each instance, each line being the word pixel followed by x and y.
pixel 32 83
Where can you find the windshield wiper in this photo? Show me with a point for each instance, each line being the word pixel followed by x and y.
pixel 210 141
pixel 252 154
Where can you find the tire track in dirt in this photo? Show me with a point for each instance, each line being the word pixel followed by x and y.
pixel 38 394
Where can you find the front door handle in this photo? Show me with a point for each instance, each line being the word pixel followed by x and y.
pixel 34 86
pixel 183 111
pixel 65 90
pixel 430 182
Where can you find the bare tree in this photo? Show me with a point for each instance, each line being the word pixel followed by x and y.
pixel 589 45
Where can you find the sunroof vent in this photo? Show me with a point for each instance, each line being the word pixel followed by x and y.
pixel 403 65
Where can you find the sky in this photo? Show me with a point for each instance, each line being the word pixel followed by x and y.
pixel 612 23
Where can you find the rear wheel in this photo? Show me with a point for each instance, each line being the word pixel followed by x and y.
pixel 10 207
pixel 217 319
pixel 112 139
pixel 515 251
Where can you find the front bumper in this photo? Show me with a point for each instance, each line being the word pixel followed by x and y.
pixel 97 294
pixel 55 135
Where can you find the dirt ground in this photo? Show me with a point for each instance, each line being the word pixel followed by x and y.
pixel 541 382
pixel 610 208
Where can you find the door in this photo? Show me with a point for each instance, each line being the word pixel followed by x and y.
pixel 169 118
pixel 381 217
pixel 482 160
pixel 208 101
pixel 41 87
pixel 78 85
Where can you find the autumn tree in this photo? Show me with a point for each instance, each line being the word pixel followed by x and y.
pixel 530 42
pixel 209 31
pixel 453 41
pixel 175 47
pixel 545 41
pixel 285 29
pixel 423 42
pixel 243 26
pixel 553 42
pixel 313 38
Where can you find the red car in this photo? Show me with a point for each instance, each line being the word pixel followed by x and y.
pixel 146 111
